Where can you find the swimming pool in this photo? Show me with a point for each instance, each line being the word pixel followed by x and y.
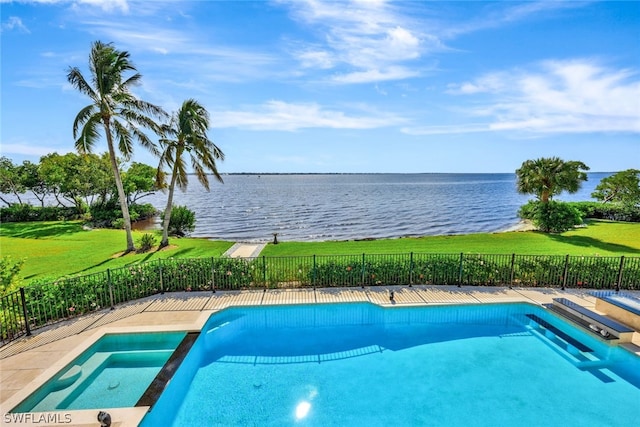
pixel 361 364
pixel 113 373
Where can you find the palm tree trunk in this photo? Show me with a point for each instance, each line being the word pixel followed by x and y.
pixel 124 207
pixel 167 212
pixel 544 197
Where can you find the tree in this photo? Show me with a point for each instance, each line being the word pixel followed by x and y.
pixel 140 180
pixel 76 178
pixel 10 180
pixel 621 187
pixel 115 110
pixel 185 133
pixel 32 180
pixel 548 177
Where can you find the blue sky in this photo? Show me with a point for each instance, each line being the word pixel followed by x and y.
pixel 345 86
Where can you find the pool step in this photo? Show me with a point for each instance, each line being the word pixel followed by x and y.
pixel 579 354
pixel 594 323
pixel 569 339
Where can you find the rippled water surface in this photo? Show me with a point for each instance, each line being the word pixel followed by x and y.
pixel 355 206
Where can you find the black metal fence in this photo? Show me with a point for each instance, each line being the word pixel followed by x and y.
pixel 42 304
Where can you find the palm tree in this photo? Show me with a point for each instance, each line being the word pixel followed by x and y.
pixel 548 177
pixel 187 133
pixel 114 108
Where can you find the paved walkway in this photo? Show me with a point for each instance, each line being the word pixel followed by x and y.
pixel 28 363
pixel 244 250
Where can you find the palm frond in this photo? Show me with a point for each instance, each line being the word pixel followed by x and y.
pixel 145 141
pixel 125 141
pixel 89 135
pixel 77 80
pixel 182 178
pixel 82 117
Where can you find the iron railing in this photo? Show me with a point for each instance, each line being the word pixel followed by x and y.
pixel 41 304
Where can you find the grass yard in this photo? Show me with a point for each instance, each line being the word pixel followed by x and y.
pixel 602 238
pixel 55 249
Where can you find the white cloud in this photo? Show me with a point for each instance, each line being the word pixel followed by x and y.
pixel 108 5
pixel 282 116
pixel 14 23
pixel 104 5
pixel 495 15
pixel 366 38
pixel 570 96
pixel 315 58
pixel 372 76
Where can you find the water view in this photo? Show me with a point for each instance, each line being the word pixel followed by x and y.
pixel 318 207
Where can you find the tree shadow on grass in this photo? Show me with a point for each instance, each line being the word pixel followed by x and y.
pixel 182 252
pixel 590 242
pixel 106 261
pixel 148 256
pixel 37 230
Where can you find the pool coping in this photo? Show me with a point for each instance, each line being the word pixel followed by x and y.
pixel 160 310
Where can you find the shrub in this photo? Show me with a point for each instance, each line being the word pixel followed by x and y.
pixel 182 222
pixel 25 212
pixel 610 211
pixel 146 242
pixel 19 212
pixel 143 211
pixel 118 223
pixel 551 217
pixel 109 215
pixel 9 271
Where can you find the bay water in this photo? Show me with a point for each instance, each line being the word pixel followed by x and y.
pixel 320 207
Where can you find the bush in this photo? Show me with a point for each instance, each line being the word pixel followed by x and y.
pixel 9 271
pixel 24 212
pixel 182 222
pixel 610 211
pixel 109 215
pixel 551 217
pixel 142 211
pixel 19 212
pixel 146 242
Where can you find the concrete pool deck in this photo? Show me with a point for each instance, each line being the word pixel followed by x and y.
pixel 27 363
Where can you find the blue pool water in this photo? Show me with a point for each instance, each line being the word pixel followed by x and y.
pixel 360 364
pixel 112 373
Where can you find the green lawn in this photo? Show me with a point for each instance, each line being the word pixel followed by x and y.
pixel 602 238
pixel 55 249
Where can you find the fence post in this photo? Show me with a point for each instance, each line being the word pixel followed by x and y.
pixel 110 288
pixel 25 313
pixel 213 275
pixel 513 272
pixel 565 273
pixel 264 272
pixel 313 277
pixel 410 269
pixel 161 278
pixel 363 272
pixel 460 270
pixel 620 270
